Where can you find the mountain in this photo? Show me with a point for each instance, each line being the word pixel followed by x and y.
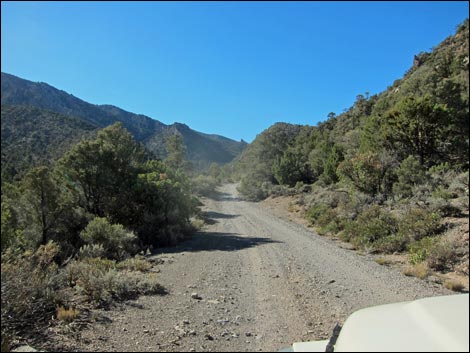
pixel 62 118
pixel 33 136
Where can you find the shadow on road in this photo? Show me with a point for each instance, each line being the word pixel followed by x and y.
pixel 212 214
pixel 211 217
pixel 213 241
pixel 223 196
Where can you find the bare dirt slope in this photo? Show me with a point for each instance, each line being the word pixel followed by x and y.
pixel 250 281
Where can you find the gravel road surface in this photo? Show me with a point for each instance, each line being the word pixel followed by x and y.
pixel 250 281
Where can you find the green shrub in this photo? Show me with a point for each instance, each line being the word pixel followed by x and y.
pixel 367 172
pixel 334 155
pixel 442 256
pixel 204 185
pixel 317 211
pixel 102 283
pixel 442 192
pixel 144 284
pixel 419 223
pixel 460 184
pixel 442 207
pixel 287 169
pixel 117 241
pixel 441 177
pixel 330 223
pixel 391 244
pixel 325 218
pixel 440 169
pixel 89 280
pixel 275 190
pixel 87 277
pixel 410 173
pixel 135 264
pixel 251 189
pixel 349 230
pixel 371 228
pixel 91 250
pixel 418 251
pixel 75 269
pixel 31 289
pixel 300 186
pixel 11 235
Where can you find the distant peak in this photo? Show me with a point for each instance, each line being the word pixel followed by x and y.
pixel 181 126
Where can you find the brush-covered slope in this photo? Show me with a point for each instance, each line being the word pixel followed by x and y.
pixel 33 136
pixel 423 115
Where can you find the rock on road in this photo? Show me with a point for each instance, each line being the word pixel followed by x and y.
pixel 250 281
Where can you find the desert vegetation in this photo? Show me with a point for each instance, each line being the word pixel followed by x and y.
pixel 74 233
pixel 390 174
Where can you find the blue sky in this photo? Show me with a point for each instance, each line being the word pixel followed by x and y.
pixel 230 68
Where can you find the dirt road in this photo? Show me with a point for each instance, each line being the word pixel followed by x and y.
pixel 250 282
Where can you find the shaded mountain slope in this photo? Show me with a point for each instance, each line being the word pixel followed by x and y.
pixel 33 136
pixel 202 149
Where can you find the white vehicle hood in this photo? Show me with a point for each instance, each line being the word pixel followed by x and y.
pixel 436 324
pixel 433 324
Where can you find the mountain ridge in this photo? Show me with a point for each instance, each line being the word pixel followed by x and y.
pixel 202 149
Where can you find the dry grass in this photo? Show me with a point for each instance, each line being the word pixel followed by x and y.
pixel 291 207
pixel 383 261
pixel 454 285
pixel 135 264
pixel 197 223
pixel 420 271
pixel 67 315
pixel 6 343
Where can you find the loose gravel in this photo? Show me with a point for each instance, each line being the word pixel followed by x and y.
pixel 249 281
